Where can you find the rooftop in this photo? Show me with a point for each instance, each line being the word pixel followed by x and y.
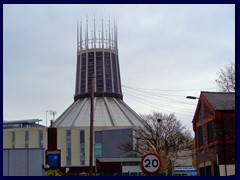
pixel 221 100
pixel 21 123
pixel 108 112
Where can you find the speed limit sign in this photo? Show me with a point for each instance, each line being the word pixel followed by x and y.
pixel 151 163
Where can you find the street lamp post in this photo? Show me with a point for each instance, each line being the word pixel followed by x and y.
pixel 203 133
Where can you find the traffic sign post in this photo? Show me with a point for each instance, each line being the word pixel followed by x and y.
pixel 151 163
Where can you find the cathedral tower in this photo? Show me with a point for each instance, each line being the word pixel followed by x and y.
pixel 97 55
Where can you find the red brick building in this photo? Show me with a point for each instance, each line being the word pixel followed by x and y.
pixel 214 127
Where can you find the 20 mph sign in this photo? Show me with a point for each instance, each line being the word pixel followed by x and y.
pixel 151 163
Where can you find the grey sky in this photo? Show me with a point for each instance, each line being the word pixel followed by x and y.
pixel 164 47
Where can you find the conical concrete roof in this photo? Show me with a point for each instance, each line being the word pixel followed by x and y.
pixel 108 112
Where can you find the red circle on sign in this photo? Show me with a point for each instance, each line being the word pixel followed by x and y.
pixel 148 163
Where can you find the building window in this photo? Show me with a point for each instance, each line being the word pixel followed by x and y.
pixel 40 138
pixel 98 144
pixel 82 147
pixel 26 139
pixel 13 139
pixel 108 72
pixel 200 136
pixel 78 75
pixel 98 150
pixel 135 141
pixel 68 147
pixel 90 69
pixel 210 132
pixel 99 69
pixel 228 130
pixel 83 73
pixel 10 126
pixel 115 79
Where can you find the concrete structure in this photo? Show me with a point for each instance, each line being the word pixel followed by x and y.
pixel 216 111
pixel 97 55
pixel 69 134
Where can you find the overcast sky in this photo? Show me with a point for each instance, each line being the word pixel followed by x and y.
pixel 174 50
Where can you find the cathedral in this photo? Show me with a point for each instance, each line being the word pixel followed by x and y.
pixel 97 122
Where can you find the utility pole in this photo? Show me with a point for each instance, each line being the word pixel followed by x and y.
pixel 91 128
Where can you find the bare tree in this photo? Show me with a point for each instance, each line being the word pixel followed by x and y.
pixel 226 78
pixel 164 135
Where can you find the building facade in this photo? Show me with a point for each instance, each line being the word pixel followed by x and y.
pixel 24 134
pixel 214 127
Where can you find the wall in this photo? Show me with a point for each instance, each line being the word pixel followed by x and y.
pixel 20 137
pixel 23 162
pixel 222 150
pixel 112 139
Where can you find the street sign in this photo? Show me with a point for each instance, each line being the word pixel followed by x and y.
pixel 151 163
